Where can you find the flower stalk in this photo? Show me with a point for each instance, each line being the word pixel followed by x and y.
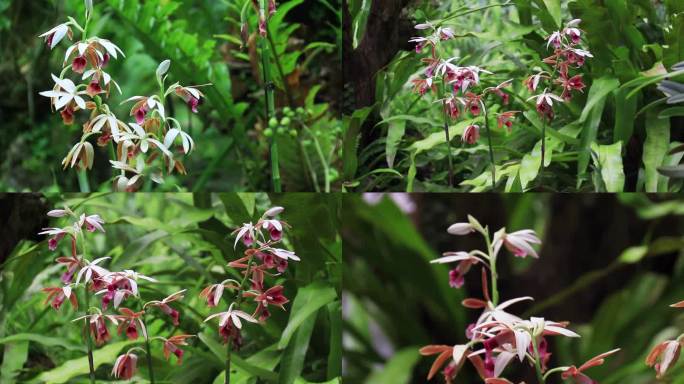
pixel 491 148
pixel 238 301
pixel 537 364
pixel 148 352
pixel 89 337
pixel 269 100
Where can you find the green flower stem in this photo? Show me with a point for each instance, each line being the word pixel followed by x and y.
pixel 88 336
pixel 554 370
pixel 543 143
pixel 83 183
pixel 491 148
pixel 148 352
pixel 270 103
pixel 448 141
pixel 238 301
pixel 492 268
pixel 537 364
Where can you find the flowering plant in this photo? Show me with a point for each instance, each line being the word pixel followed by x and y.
pixel 261 258
pixel 115 287
pixel 460 89
pixel 497 337
pixel 568 54
pixel 138 150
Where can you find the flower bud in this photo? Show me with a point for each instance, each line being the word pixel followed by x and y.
pixel 460 229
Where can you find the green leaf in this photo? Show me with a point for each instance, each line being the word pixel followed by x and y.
pixel 597 94
pixel 625 114
pixel 554 9
pixel 266 358
pixel 669 112
pixel 136 247
pixel 292 360
pixel 79 366
pixel 335 354
pixel 595 103
pixel 414 119
pixel 395 132
pixel 530 165
pixel 219 350
pixel 633 254
pixel 610 164
pixel 309 299
pixel 398 369
pixel 236 208
pixel 14 356
pixel 48 341
pixel 656 146
pixel 352 131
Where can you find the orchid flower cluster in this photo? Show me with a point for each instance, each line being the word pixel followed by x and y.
pixel 459 82
pixel 262 257
pixel 134 145
pixel 665 354
pixel 114 287
pixel 497 338
pixel 567 54
pixel 461 89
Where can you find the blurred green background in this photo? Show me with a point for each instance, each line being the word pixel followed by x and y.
pixel 202 39
pixel 609 264
pixel 182 240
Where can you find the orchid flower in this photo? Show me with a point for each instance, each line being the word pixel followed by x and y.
pixel 64 93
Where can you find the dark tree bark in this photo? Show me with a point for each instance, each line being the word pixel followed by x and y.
pixel 22 215
pixel 386 34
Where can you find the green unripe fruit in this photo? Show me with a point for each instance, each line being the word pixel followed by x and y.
pixel 300 111
pixel 268 132
pixel 285 121
pixel 281 130
pixel 273 122
pixel 293 132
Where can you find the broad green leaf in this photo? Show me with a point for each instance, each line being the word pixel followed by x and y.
pixel 235 207
pixel 633 254
pixel 309 299
pixel 596 102
pixel 292 360
pixel 76 367
pixel 669 112
pixel 398 369
pixel 219 350
pixel 610 164
pixel 266 358
pixel 136 248
pixel 14 356
pixel 655 149
pixel 438 137
pixel 414 119
pixel 395 132
pixel 600 88
pixel 335 355
pixel 352 131
pixel 625 113
pixel 48 341
pixel 554 9
pixel 530 165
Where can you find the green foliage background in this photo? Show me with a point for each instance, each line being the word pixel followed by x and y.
pixel 612 138
pixel 202 39
pixel 183 241
pixel 611 265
